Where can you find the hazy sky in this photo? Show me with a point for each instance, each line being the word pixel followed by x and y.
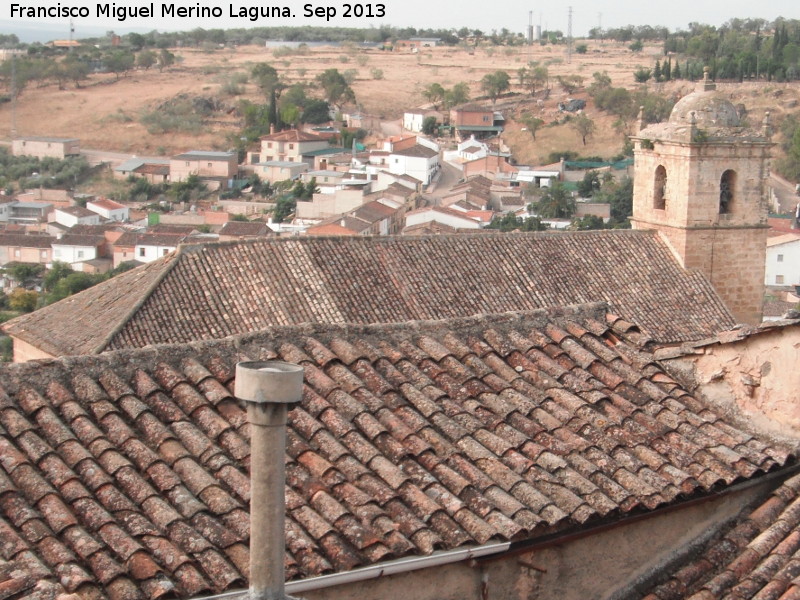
pixel 483 14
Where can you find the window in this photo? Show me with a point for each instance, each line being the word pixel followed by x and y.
pixel 779 279
pixel 16 252
pixel 141 252
pixel 485 118
pixel 80 253
pixel 780 257
pixel 727 188
pixel 165 252
pixel 209 165
pixel 291 146
pixel 660 188
pixel 187 163
pixel 269 144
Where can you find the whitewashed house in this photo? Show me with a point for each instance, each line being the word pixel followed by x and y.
pixel 783 260
pixel 108 209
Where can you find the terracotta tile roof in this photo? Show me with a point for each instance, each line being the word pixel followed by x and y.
pixel 128 472
pixel 24 240
pixel 417 151
pixel 213 290
pixel 429 228
pixel 74 239
pixel 107 204
pixel 132 238
pixel 150 169
pixel 245 229
pixel 293 135
pixel 77 211
pixel 755 559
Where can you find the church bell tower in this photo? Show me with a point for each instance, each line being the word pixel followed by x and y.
pixel 700 179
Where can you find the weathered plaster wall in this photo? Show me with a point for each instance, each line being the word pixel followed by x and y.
pixel 758 377
pixel 605 565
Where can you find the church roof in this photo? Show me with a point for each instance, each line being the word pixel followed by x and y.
pixel 209 291
pixel 126 475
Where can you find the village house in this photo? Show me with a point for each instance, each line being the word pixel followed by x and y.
pixel 45 147
pixel 418 161
pixel 108 209
pixel 76 215
pixel 145 247
pixel 25 248
pixel 239 230
pixel 155 171
pixel 287 146
pixel 783 260
pixel 215 169
pixel 31 214
pixel 475 121
pixel 279 170
pixel 378 217
pixel 456 219
pixel 75 249
pixel 327 182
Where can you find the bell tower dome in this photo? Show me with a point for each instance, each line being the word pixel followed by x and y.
pixel 700 179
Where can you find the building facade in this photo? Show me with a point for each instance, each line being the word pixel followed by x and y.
pixel 701 181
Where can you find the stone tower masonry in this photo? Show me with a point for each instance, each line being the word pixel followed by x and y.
pixel 700 179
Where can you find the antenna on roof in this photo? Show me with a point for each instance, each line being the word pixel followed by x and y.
pixel 71 29
pixel 569 36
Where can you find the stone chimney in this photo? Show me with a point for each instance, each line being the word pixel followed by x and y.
pixel 268 388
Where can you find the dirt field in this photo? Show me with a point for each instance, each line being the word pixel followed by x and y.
pixel 104 113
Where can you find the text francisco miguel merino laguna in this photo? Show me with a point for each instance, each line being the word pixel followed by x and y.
pixel 121 12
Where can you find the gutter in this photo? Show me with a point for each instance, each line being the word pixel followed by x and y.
pixel 402 565
pixel 491 552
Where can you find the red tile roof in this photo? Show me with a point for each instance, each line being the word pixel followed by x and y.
pixel 293 135
pixel 756 559
pixel 126 475
pixel 213 290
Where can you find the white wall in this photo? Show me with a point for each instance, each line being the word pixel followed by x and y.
pixel 73 254
pixel 783 261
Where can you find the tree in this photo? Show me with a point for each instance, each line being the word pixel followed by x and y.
pixel 271 85
pixel 583 125
pixel 23 300
pixel 316 111
pixel 24 273
pixel 458 94
pixel 636 46
pixel 335 87
pixel 555 203
pixel 589 184
pixel 532 124
pixel 494 84
pixel 58 271
pixel 588 222
pixel 570 83
pixel 165 59
pixel 434 94
pixel 146 59
pixel 429 125
pixel 642 75
pixel 581 48
pixel 119 61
